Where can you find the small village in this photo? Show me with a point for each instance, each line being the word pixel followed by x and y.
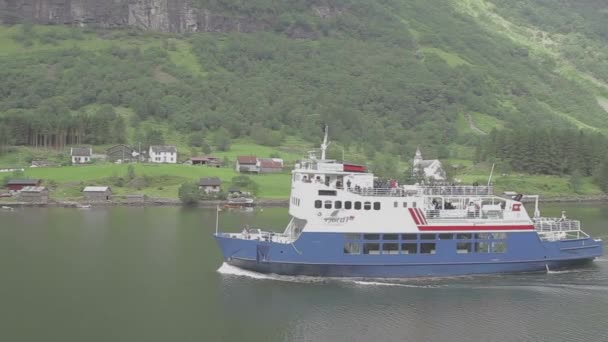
pixel 19 190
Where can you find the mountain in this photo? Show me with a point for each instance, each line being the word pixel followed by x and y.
pixel 386 76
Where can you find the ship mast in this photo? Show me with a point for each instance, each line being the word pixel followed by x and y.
pixel 325 144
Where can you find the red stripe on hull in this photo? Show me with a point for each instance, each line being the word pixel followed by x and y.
pixel 414 216
pixel 473 228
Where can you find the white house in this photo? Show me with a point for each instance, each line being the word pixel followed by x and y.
pixel 431 169
pixel 247 164
pixel 81 155
pixel 163 154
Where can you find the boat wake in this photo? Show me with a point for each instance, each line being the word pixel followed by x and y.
pixel 230 270
pixel 383 283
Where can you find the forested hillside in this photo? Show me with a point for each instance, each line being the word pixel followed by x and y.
pixel 385 76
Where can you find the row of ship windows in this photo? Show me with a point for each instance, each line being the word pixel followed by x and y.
pixel 427 236
pixel 354 248
pixel 357 205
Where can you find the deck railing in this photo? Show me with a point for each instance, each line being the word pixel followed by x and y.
pixel 425 191
pixel 380 192
pixel 456 190
pixel 556 229
pixel 551 224
pixel 463 214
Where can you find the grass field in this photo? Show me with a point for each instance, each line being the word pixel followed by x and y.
pixel 165 179
pixel 544 185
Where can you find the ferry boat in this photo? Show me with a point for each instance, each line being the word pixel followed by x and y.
pixel 343 226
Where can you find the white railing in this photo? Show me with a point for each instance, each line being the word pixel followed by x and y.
pixel 550 224
pixel 380 192
pixel 425 191
pixel 456 190
pixel 451 214
pixel 259 235
pixel 555 229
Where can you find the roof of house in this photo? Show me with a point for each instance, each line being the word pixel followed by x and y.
pixel 270 164
pixel 96 189
pixel 119 148
pixel 33 189
pixel 247 160
pixel 234 189
pixel 23 181
pixel 205 158
pixel 163 148
pixel 427 163
pixel 81 151
pixel 210 181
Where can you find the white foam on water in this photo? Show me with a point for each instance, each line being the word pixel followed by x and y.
pixel 381 283
pixel 566 271
pixel 235 271
pixel 230 270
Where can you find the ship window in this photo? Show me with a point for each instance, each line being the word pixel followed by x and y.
pixel 371 236
pixel 338 204
pixel 464 236
pixel 482 247
pixel 371 248
pixel 414 205
pixel 352 236
pixel 464 247
pixel 409 248
pixel 483 236
pixel 352 248
pixel 396 204
pixel 390 248
pixel 427 236
pixel 376 205
pixel 358 205
pixel 328 193
pixel 446 236
pixel 409 237
pixel 427 248
pixel 318 204
pixel 499 236
pixel 391 236
pixel 405 204
pixel 499 247
pixel 348 205
pixel 327 204
pixel 367 205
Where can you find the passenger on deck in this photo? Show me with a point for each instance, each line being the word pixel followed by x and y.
pixel 348 183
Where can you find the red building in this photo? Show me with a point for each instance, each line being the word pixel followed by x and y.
pixel 18 184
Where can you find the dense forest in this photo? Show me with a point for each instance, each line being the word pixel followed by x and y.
pixel 385 76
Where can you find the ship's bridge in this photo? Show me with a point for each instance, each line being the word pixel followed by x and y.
pixel 333 174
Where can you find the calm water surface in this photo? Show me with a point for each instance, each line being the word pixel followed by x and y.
pixel 151 274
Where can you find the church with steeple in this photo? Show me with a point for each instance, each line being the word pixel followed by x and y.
pixel 430 169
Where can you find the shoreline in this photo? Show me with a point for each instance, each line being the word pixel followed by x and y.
pixel 151 202
pixel 171 202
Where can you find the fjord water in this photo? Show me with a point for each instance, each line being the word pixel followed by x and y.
pixel 151 274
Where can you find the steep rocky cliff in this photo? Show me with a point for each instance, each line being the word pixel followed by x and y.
pixel 158 15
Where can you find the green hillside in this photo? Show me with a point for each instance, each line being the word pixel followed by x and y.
pixel 385 76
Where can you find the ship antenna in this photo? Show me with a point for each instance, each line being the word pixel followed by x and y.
pixel 325 144
pixel 491 173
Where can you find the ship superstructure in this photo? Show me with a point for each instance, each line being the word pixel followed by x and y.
pixel 344 226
